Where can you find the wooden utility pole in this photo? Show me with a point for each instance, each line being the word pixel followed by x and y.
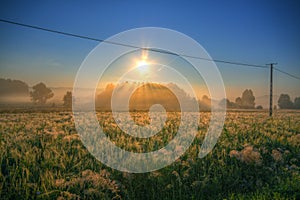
pixel 271 89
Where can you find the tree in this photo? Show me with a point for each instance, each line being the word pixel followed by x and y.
pixel 206 100
pixel 13 87
pixel 297 103
pixel 259 107
pixel 238 102
pixel 248 99
pixel 41 94
pixel 284 102
pixel 227 103
pixel 68 99
pixel 205 103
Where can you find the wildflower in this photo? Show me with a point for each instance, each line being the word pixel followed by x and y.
pixel 60 182
pixel 247 155
pixel 175 174
pixel 234 154
pixel 295 140
pixel 277 156
pixel 286 152
pixel 250 155
pixel 156 174
pixel 179 149
pixel 186 173
pixel 71 137
pixel 67 195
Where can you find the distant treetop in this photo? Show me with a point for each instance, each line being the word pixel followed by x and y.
pixel 10 87
pixel 41 94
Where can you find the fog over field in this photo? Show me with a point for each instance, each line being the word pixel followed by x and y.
pixel 12 95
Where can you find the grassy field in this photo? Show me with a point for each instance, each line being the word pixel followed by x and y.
pixel 256 157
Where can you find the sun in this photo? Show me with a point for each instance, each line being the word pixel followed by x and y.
pixel 142 66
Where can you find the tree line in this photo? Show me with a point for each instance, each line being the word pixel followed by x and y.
pixel 13 87
pixel 40 94
pixel 285 102
pixel 246 101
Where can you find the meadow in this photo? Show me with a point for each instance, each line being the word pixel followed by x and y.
pixel 256 157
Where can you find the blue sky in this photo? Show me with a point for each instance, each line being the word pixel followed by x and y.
pixel 257 32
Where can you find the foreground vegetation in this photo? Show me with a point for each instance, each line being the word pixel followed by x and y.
pixel 256 157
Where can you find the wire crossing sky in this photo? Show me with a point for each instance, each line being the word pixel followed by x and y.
pixel 126 45
pixel 142 48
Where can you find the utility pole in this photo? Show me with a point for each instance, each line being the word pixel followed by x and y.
pixel 271 89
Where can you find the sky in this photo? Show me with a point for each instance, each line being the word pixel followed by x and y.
pixel 256 32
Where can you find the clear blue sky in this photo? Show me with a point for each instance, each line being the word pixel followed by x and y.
pixel 255 32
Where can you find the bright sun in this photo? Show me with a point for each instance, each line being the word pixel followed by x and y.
pixel 142 66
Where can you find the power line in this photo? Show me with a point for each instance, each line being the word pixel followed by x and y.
pixel 141 48
pixel 64 33
pixel 286 73
pixel 128 45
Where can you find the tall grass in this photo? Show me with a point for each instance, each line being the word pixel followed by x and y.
pixel 256 157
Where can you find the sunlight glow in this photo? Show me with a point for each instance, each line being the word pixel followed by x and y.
pixel 142 66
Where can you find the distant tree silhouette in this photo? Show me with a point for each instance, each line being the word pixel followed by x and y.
pixel 68 99
pixel 248 99
pixel 144 97
pixel 238 102
pixel 206 100
pixel 13 87
pixel 41 94
pixel 228 103
pixel 297 103
pixel 259 107
pixel 284 102
pixel 204 103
